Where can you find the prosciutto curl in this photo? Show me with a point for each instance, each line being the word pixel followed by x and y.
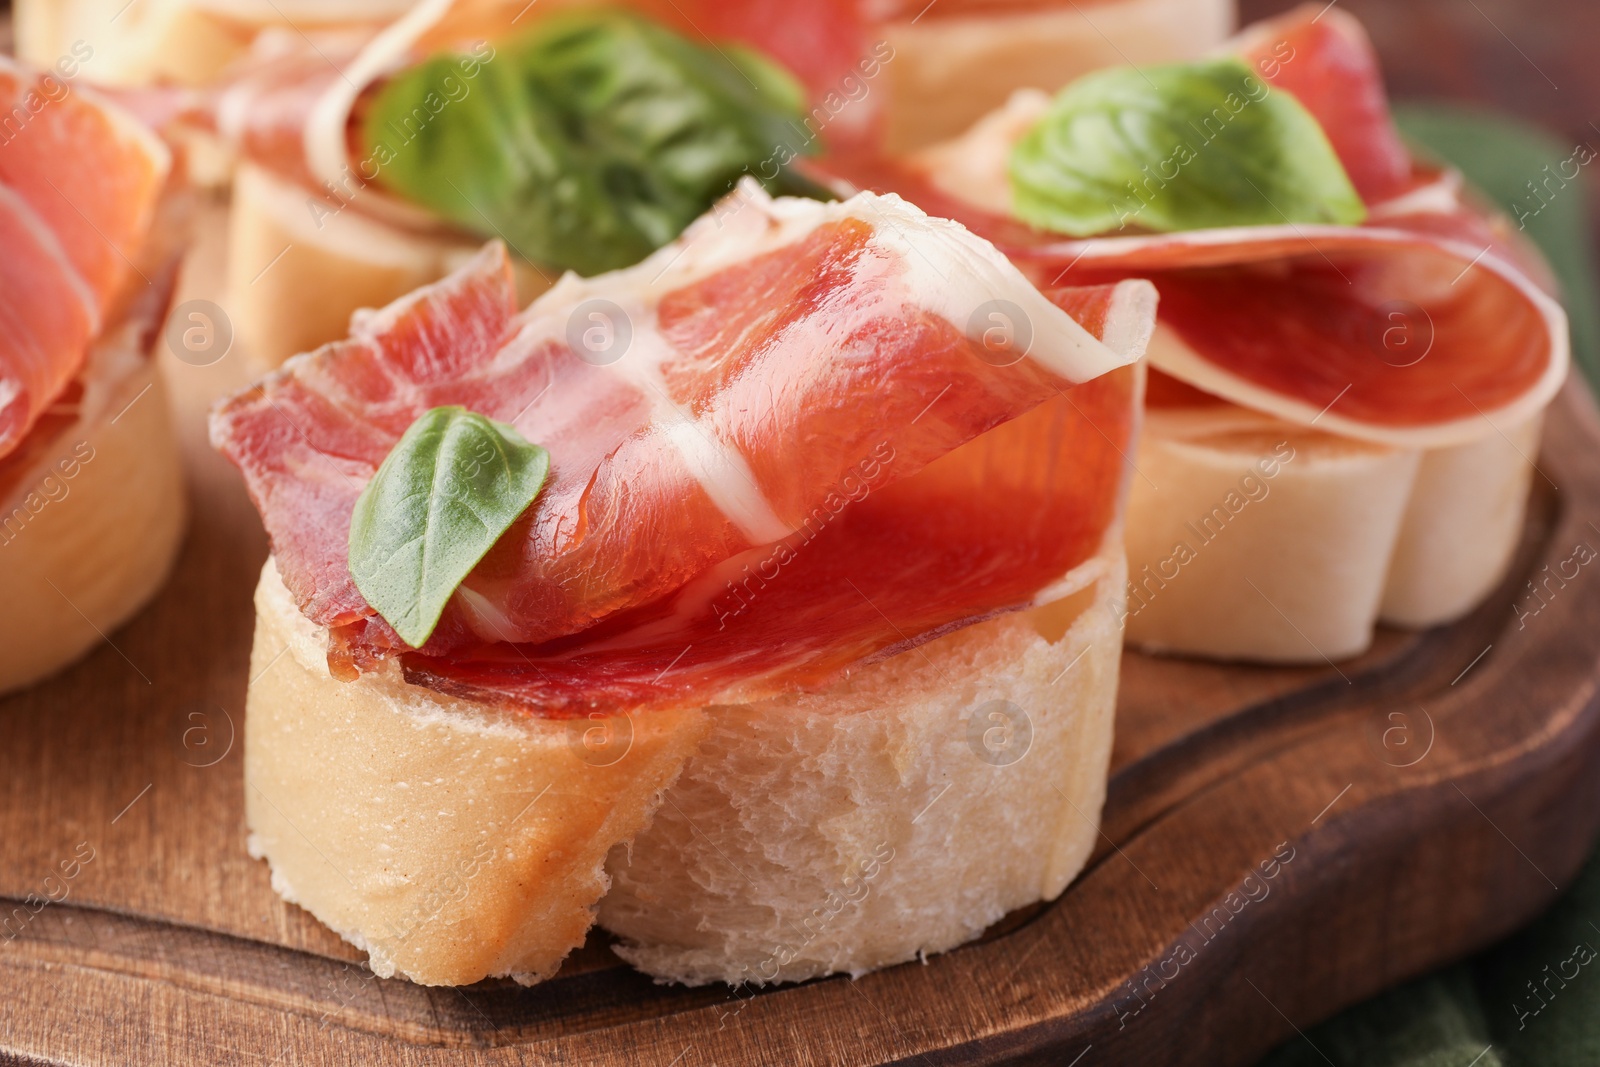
pixel 804 436
pixel 1429 325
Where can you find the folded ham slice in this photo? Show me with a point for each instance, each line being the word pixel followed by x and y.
pixel 79 182
pixel 802 435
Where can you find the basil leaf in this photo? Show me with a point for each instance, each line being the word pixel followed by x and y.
pixel 448 489
pixel 1181 147
pixel 589 141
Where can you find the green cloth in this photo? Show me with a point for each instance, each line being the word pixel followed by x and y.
pixel 1533 1001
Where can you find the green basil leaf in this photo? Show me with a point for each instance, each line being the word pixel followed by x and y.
pixel 589 141
pixel 1181 147
pixel 446 492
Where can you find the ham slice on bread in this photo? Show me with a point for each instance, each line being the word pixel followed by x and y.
pixel 813 499
pixel 1428 331
pixel 875 73
pixel 783 357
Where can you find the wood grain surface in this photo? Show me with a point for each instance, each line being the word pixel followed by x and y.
pixel 170 946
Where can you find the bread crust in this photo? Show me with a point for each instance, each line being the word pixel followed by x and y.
pixel 400 817
pixel 1229 562
pixel 91 517
pixel 450 841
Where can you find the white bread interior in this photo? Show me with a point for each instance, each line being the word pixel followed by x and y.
pixel 948 72
pixel 1462 527
pixel 887 818
pixel 373 800
pixel 92 515
pixel 298 270
pixel 1286 568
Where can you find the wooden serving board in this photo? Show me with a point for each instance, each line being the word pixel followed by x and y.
pixel 1397 811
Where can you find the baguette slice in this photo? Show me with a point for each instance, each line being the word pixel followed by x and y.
pixel 1235 553
pixel 898 814
pixel 92 513
pixel 298 268
pixel 453 842
pixel 1266 542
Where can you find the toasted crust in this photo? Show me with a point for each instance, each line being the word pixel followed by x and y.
pixel 92 516
pixel 402 818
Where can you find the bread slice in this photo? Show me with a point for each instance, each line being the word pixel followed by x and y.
pixel 298 267
pixel 449 841
pixel 1266 542
pixel 948 71
pixel 898 814
pixel 1256 539
pixel 453 842
pixel 92 512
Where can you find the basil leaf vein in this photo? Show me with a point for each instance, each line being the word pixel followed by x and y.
pixel 447 491
pixel 1179 147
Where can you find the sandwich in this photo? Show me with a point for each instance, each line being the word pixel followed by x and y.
pixel 91 497
pixel 586 135
pixel 1353 353
pixel 757 602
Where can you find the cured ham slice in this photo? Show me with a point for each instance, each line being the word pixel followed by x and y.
pixel 802 435
pixel 1425 327
pixel 79 183
pixel 1379 334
